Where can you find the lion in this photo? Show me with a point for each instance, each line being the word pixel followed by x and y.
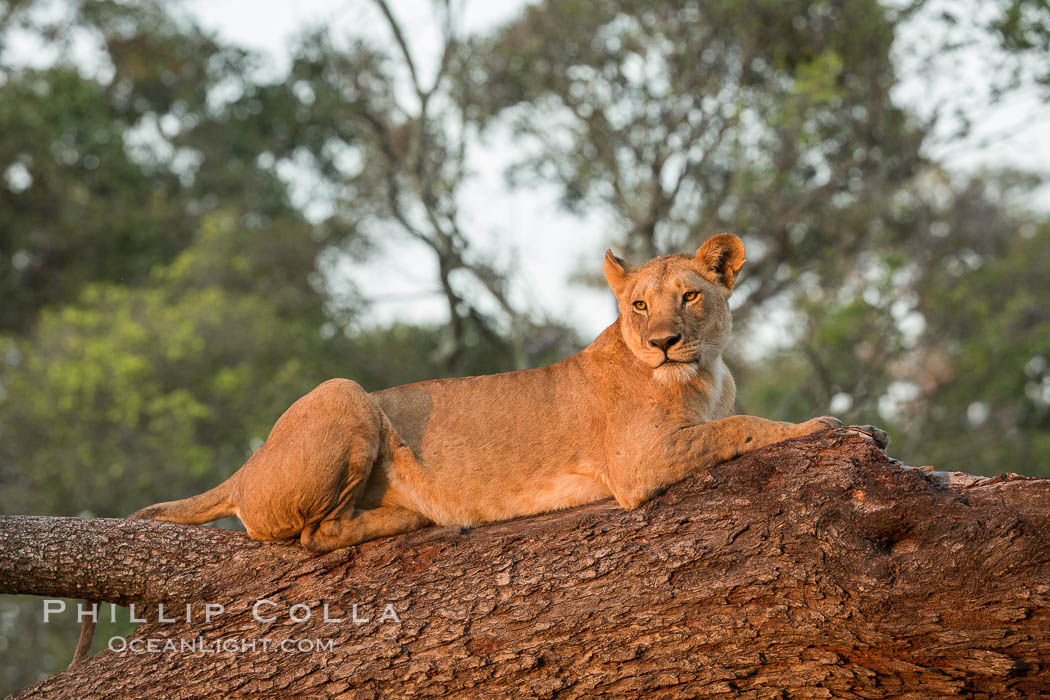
pixel 648 403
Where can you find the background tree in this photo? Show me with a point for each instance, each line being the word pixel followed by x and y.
pixel 773 119
pixel 409 160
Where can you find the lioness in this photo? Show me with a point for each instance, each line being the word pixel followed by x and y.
pixel 644 405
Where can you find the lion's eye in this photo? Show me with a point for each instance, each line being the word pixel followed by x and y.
pixel 641 305
pixel 690 296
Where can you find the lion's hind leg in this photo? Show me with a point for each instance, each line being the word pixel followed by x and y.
pixel 367 506
pixel 355 526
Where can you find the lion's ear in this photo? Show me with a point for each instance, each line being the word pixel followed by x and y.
pixel 616 271
pixel 720 259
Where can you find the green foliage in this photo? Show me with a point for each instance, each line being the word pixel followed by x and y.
pixel 950 353
pixel 1023 29
pixel 176 131
pixel 837 338
pixel 989 326
pixel 65 152
pixel 114 398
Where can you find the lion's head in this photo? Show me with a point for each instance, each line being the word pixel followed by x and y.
pixel 674 310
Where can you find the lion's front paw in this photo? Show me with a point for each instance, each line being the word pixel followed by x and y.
pixel 822 423
pixel 814 425
pixel 880 436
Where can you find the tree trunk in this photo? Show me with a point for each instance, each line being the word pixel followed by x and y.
pixel 815 567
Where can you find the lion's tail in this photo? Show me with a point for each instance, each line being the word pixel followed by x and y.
pixel 87 635
pixel 211 505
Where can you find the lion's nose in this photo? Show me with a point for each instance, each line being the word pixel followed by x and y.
pixel 665 342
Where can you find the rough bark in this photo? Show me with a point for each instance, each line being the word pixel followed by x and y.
pixel 815 567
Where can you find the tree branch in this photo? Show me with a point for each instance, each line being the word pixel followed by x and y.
pixel 813 566
pixel 117 560
pixel 402 44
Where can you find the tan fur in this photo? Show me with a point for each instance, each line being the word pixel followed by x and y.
pixel 622 418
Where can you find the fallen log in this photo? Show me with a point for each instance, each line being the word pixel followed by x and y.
pixel 817 566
